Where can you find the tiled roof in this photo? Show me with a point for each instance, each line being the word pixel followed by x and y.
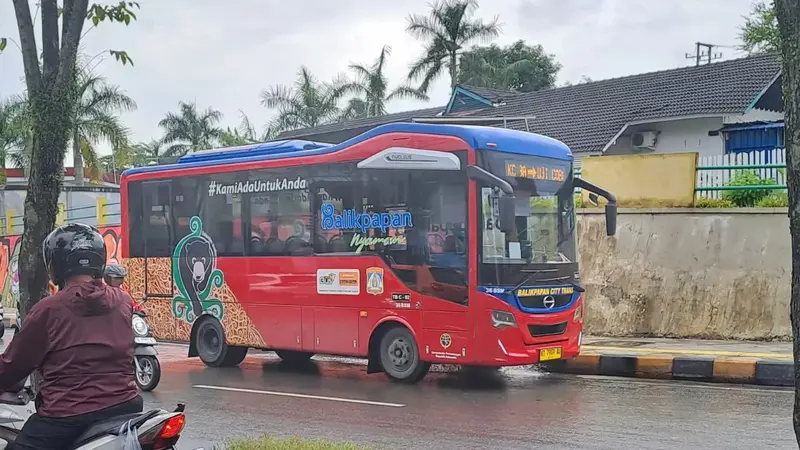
pixel 360 123
pixel 587 116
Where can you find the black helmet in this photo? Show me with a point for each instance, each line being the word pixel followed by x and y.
pixel 74 249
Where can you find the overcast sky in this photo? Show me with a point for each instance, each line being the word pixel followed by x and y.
pixel 223 53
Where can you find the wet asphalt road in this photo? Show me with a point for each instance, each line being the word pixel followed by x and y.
pixel 517 409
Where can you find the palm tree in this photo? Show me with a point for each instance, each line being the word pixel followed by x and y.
pixel 16 133
pixel 136 155
pixel 145 152
pixel 356 109
pixel 96 119
pixel 447 29
pixel 245 134
pixel 309 103
pixel 371 87
pixel 12 128
pixel 190 130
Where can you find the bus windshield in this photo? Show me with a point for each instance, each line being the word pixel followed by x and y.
pixel 545 230
pixel 544 227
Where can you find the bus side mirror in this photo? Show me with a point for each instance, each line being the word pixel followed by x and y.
pixel 611 206
pixel 507 209
pixel 611 219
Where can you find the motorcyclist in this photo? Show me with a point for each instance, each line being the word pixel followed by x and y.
pixel 79 339
pixel 114 275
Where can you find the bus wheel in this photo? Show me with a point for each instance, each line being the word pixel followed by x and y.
pixel 293 356
pixel 211 346
pixel 400 356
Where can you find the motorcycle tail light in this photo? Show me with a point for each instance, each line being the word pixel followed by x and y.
pixel 165 435
pixel 173 427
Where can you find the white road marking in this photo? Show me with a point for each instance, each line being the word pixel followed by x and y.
pixel 308 396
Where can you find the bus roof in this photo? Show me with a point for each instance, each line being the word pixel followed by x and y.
pixel 478 137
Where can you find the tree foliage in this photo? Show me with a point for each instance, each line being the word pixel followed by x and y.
pixel 518 67
pixel 50 83
pixel 96 120
pixel 308 103
pixel 15 134
pixel 371 87
pixel 760 30
pixel 244 134
pixel 190 130
pixel 446 29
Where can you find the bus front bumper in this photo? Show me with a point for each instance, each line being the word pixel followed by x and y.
pixel 516 346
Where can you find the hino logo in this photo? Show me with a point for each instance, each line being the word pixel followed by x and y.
pixel 549 301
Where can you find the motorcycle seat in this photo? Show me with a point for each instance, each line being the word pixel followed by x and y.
pixel 113 426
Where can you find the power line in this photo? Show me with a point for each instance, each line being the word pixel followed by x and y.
pixel 701 55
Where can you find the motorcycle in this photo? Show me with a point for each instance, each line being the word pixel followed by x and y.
pixel 147 369
pixel 156 429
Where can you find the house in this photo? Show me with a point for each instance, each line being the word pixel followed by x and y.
pixel 677 110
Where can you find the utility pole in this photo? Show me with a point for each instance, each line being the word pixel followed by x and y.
pixel 700 55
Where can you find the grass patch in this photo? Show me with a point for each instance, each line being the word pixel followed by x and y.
pixel 292 443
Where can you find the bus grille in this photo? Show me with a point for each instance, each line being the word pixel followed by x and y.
pixel 547 330
pixel 537 301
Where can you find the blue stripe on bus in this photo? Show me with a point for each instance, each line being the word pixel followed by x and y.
pixel 478 137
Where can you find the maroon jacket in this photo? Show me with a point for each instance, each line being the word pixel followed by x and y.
pixel 81 341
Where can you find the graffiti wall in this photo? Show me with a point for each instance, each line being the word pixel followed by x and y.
pixel 9 263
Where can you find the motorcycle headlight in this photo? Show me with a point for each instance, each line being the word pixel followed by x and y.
pixel 140 327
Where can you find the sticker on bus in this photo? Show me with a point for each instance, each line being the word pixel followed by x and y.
pixel 374 280
pixel 339 281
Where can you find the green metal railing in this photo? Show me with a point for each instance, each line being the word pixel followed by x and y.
pixel 732 169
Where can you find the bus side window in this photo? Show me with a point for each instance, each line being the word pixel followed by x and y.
pixel 222 214
pixel 280 214
pixel 156 214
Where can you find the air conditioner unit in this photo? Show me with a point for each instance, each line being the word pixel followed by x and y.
pixel 644 141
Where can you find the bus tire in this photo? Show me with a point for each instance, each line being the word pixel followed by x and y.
pixel 399 356
pixel 294 356
pixel 211 346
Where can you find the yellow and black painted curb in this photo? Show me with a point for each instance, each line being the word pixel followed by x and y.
pixel 708 369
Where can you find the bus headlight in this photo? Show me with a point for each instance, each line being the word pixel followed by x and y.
pixel 502 319
pixel 140 327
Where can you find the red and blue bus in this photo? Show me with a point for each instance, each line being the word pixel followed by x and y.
pixel 411 244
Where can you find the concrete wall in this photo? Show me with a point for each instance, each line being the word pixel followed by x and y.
pixel 688 273
pixel 653 180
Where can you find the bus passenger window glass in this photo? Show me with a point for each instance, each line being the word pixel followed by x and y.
pixel 186 203
pixel 135 221
pixel 280 215
pixel 222 214
pixel 157 219
pixel 333 198
pixel 414 220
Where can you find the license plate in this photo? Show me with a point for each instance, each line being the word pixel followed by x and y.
pixel 549 354
pixel 145 340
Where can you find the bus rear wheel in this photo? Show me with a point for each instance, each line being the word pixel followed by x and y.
pixel 211 346
pixel 293 356
pixel 399 356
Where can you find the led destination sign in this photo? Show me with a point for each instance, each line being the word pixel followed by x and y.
pixel 537 171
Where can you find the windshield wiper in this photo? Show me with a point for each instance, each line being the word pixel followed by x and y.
pixel 530 275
